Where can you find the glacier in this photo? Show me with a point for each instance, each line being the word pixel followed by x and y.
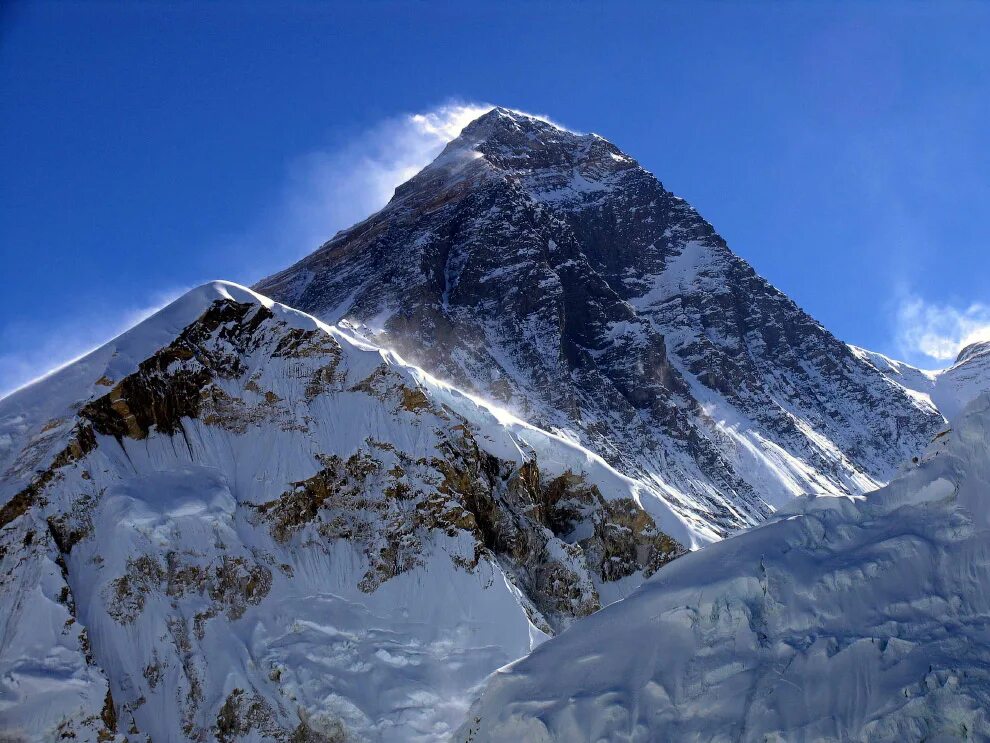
pixel 842 618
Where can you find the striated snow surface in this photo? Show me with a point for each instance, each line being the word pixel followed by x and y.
pixel 863 618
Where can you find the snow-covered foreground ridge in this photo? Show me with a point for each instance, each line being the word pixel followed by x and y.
pixel 840 619
pixel 234 522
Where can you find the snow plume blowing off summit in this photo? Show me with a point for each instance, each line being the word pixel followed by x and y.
pixel 330 189
pixel 322 192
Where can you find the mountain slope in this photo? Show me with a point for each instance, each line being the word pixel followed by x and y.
pixel 841 619
pixel 918 383
pixel 548 271
pixel 946 390
pixel 236 523
pixel 959 383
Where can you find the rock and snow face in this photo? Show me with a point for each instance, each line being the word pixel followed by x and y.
pixel 236 523
pixel 548 271
pixel 945 390
pixel 841 619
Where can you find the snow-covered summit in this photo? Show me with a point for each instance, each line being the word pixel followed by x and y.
pixel 498 120
pixel 973 351
pixel 548 271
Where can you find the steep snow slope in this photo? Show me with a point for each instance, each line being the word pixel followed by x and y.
pixel 918 383
pixel 945 390
pixel 549 271
pixel 960 382
pixel 841 619
pixel 236 523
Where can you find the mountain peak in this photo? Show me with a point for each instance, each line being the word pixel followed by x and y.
pixel 505 129
pixel 501 118
pixel 972 350
pixel 543 157
pixel 545 270
pixel 525 145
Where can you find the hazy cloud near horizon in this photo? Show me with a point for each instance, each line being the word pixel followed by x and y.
pixel 938 331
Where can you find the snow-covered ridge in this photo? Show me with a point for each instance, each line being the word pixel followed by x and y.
pixel 236 522
pixel 24 411
pixel 946 390
pixel 840 619
pixel 961 381
pixel 919 383
pixel 57 393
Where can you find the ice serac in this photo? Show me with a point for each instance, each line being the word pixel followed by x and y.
pixel 548 271
pixel 234 522
pixel 841 619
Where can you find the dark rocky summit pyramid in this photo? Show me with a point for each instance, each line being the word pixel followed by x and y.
pixel 546 270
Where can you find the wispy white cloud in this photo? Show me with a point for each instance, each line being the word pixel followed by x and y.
pixel 323 191
pixel 33 349
pixel 329 190
pixel 938 331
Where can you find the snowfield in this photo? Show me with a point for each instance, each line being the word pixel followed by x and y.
pixel 841 619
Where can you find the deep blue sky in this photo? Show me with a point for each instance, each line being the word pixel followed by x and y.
pixel 145 147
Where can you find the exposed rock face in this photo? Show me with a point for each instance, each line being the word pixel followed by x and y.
pixel 548 271
pixel 257 461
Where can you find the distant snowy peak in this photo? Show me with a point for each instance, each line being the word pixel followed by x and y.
pixel 964 380
pixel 918 382
pixel 547 271
pixel 946 390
